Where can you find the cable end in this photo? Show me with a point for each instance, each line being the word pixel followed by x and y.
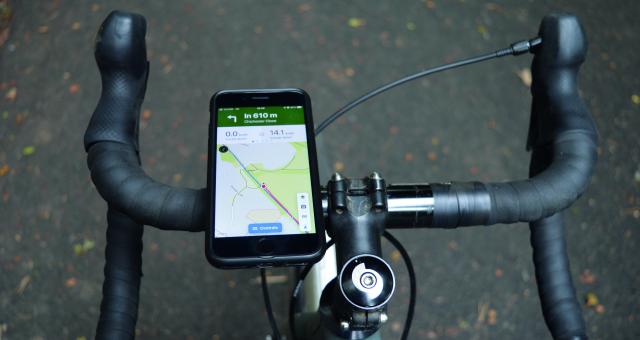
pixel 525 46
pixel 520 47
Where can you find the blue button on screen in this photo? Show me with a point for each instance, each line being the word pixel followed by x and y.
pixel 265 228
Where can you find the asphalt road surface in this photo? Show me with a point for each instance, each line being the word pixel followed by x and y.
pixel 471 123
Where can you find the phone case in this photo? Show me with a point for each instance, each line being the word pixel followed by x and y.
pixel 275 260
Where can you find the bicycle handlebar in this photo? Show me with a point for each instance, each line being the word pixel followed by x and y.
pixel 111 139
pixel 562 137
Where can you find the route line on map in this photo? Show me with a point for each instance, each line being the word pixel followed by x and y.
pixel 263 186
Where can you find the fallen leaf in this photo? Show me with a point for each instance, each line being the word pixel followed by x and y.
pixel 146 114
pixel 482 29
pixel 84 247
pixel 334 74
pixel 587 277
pixel 81 338
pixel 493 317
pixel 177 178
pixel 452 245
pixel 75 26
pixel 591 300
pixel 395 256
pixel 393 130
pixel 435 141
pixel 4 170
pixel 74 88
pixel 432 156
pixel 482 312
pixel 71 282
pixel 66 76
pixel 304 8
pixel 350 72
pixel 499 272
pixel 11 94
pixel 430 4
pixel 5 115
pixel 4 35
pixel 23 284
pixel 452 331
pixel 356 22
pixel 19 118
pixel 408 156
pixel 463 324
pixel 599 309
pixel 635 99
pixel 28 150
pixel 494 7
pixel 95 8
pixel 411 26
pixel 525 76
pixel 43 29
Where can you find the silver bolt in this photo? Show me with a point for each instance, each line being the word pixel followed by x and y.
pixel 344 325
pixel 383 317
pixel 375 175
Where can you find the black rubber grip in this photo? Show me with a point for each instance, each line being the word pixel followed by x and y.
pixel 561 128
pixel 122 272
pixel 111 139
pixel 560 307
pixel 116 173
pixel 563 138
pixel 121 54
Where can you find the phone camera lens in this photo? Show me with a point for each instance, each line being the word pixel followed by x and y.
pixel 223 149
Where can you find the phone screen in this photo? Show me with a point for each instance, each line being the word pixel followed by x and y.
pixel 263 178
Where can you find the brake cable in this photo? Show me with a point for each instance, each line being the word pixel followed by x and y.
pixel 515 49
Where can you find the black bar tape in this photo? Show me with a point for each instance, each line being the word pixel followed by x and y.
pixel 560 307
pixel 122 272
pixel 111 139
pixel 554 189
pixel 460 204
pixel 561 128
pixel 116 172
pixel 121 55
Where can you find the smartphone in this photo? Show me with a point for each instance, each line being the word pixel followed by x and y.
pixel 265 205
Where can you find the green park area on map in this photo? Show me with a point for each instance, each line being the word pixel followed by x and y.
pixel 280 185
